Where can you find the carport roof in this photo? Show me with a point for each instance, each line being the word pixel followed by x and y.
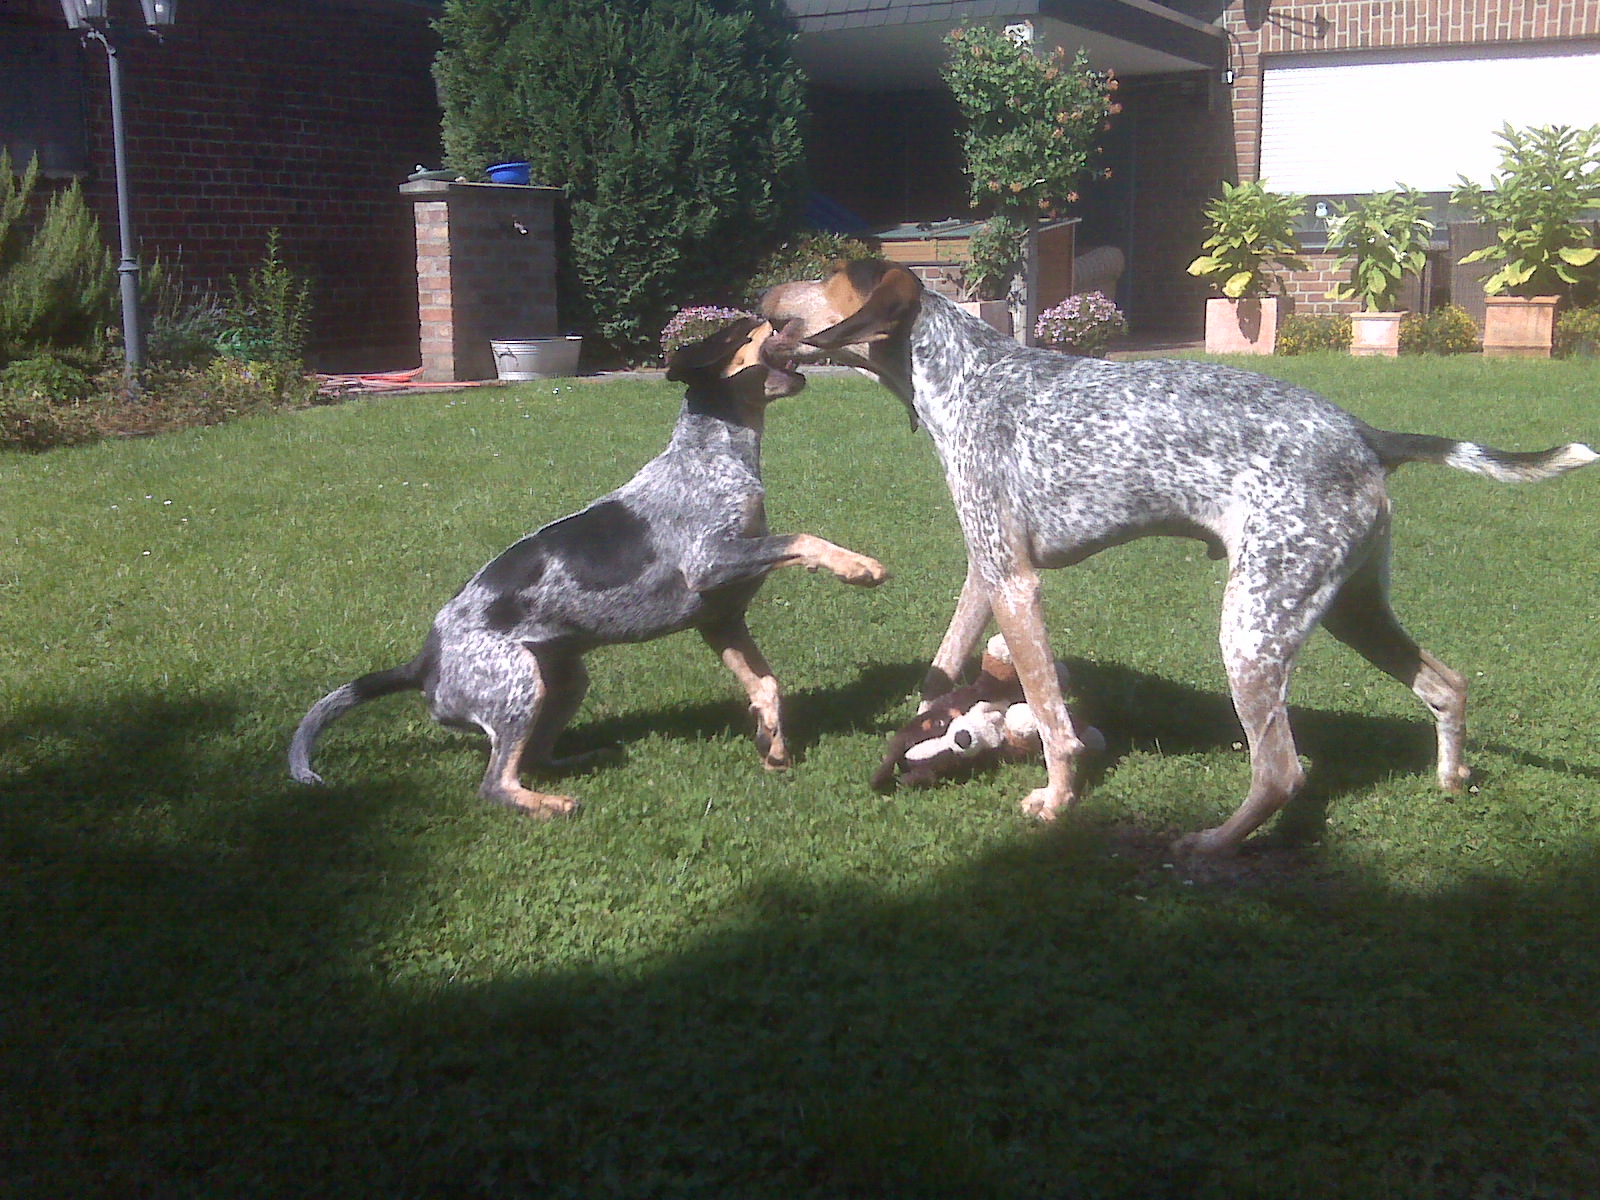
pixel 881 45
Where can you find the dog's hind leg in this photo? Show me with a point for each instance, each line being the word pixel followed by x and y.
pixel 967 624
pixel 498 687
pixel 566 683
pixel 1362 619
pixel 1267 614
pixel 733 644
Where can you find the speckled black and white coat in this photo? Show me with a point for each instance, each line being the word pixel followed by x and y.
pixel 1051 458
pixel 682 545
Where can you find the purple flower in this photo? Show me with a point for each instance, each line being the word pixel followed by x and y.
pixel 1082 324
pixel 693 323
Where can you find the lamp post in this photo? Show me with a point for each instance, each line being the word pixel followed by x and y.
pixel 93 22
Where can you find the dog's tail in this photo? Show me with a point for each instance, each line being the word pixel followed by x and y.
pixel 1507 466
pixel 336 703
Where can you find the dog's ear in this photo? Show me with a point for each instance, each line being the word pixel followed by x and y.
pixel 891 302
pixel 710 351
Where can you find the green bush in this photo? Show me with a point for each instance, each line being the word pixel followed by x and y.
pixel 1449 329
pixel 1381 238
pixel 674 126
pixel 56 286
pixel 1306 334
pixel 803 257
pixel 267 316
pixel 45 402
pixel 182 326
pixel 1578 332
pixel 1541 203
pixel 995 256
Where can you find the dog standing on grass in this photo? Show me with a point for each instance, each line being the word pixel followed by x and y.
pixel 1051 459
pixel 682 545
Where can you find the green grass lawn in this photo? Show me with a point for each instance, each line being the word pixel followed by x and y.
pixel 717 982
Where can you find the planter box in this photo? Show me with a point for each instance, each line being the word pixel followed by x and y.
pixel 537 358
pixel 1244 326
pixel 996 314
pixel 1518 326
pixel 1375 334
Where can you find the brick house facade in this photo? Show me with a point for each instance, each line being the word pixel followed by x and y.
pixel 1306 33
pixel 1183 129
pixel 299 115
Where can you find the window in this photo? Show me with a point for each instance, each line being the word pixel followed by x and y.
pixel 41 104
pixel 1362 123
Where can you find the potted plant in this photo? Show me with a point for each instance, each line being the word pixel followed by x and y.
pixel 1083 324
pixel 1549 179
pixel 1380 238
pixel 994 259
pixel 1252 237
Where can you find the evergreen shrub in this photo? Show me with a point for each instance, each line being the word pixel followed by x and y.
pixel 57 282
pixel 674 126
pixel 1305 333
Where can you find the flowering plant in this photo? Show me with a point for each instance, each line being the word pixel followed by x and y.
pixel 693 323
pixel 1082 324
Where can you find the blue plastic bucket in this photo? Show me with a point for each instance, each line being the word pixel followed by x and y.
pixel 511 172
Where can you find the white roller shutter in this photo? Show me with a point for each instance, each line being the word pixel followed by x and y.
pixel 1362 126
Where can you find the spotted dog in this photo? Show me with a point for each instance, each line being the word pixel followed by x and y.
pixel 682 545
pixel 1051 458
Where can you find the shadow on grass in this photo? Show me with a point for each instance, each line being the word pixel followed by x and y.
pixel 190 1013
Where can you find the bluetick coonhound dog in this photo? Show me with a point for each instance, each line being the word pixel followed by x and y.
pixel 1052 458
pixel 682 545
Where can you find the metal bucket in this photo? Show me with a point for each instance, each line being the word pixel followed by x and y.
pixel 537 358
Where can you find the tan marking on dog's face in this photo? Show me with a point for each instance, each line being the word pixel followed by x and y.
pixel 749 354
pixel 818 304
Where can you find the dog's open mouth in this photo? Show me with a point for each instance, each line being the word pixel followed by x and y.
pixel 779 354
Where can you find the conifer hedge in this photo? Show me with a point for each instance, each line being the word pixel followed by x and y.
pixel 675 127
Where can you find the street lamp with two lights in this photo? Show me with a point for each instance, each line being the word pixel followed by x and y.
pixel 93 22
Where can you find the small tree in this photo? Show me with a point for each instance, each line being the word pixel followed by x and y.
pixel 1032 124
pixel 674 126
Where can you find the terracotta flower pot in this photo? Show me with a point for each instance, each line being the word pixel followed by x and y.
pixel 1375 334
pixel 1244 326
pixel 1518 326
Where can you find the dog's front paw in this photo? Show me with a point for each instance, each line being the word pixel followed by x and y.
pixel 861 571
pixel 1044 803
pixel 541 806
pixel 1209 843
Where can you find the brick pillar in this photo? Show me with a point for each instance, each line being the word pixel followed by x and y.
pixel 486 268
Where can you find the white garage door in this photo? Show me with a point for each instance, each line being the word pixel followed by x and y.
pixel 1364 125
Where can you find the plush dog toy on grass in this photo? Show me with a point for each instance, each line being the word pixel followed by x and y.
pixel 984 721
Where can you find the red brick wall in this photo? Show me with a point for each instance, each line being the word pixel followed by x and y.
pixel 294 114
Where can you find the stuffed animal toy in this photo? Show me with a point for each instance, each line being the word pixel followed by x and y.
pixel 983 721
